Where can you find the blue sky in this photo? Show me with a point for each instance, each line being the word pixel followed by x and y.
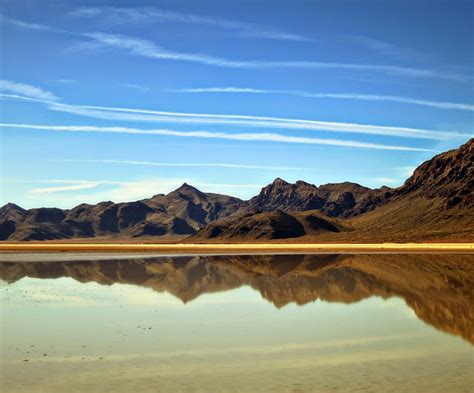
pixel 123 100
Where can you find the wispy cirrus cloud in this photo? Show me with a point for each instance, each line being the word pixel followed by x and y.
pixel 59 191
pixel 191 165
pixel 66 81
pixel 97 41
pixel 384 48
pixel 134 86
pixel 31 25
pixel 113 16
pixel 387 180
pixel 404 100
pixel 128 114
pixel 146 48
pixel 72 187
pixel 254 137
pixel 150 116
pixel 229 89
pixel 26 90
pixel 346 96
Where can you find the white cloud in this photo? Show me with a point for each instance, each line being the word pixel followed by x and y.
pixel 135 87
pixel 225 90
pixel 255 137
pixel 73 187
pixel 26 90
pixel 192 165
pixel 113 16
pixel 349 96
pixel 128 114
pixel 26 25
pixel 121 191
pixel 406 170
pixel 147 48
pixel 145 115
pixel 405 100
pixel 66 81
pixel 385 48
pixel 387 180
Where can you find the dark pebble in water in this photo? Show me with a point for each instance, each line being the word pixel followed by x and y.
pixel 101 358
pixel 45 354
pixel 26 360
pixel 149 328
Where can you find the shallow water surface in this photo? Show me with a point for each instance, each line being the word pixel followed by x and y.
pixel 282 323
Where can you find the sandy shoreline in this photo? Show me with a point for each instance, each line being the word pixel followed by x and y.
pixel 236 248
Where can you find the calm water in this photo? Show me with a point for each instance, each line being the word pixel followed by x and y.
pixel 302 323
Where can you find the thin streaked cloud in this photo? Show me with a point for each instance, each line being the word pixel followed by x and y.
pixel 114 16
pixel 97 41
pixel 60 191
pixel 73 187
pixel 129 114
pixel 406 170
pixel 384 48
pixel 229 89
pixel 190 165
pixel 345 96
pixel 146 48
pixel 26 90
pixel 387 180
pixel 145 115
pixel 136 87
pixel 31 25
pixel 254 137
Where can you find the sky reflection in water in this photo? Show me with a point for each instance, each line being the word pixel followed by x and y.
pixel 305 323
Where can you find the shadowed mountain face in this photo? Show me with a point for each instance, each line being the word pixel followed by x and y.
pixel 336 200
pixel 180 212
pixel 435 203
pixel 268 226
pixel 448 176
pixel 437 287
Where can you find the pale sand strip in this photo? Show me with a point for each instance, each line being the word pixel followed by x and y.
pixel 234 248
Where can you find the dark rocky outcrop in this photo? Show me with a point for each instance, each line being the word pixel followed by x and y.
pixel 179 213
pixel 267 226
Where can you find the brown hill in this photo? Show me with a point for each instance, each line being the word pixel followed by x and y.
pixel 436 202
pixel 448 176
pixel 267 226
pixel 11 212
pixel 180 212
pixel 336 200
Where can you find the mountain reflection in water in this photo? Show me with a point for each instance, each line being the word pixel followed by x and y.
pixel 439 288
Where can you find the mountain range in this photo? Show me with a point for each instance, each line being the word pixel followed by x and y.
pixel 435 204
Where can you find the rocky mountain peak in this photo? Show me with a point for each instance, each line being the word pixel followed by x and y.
pixel 279 182
pixel 11 211
pixel 449 175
